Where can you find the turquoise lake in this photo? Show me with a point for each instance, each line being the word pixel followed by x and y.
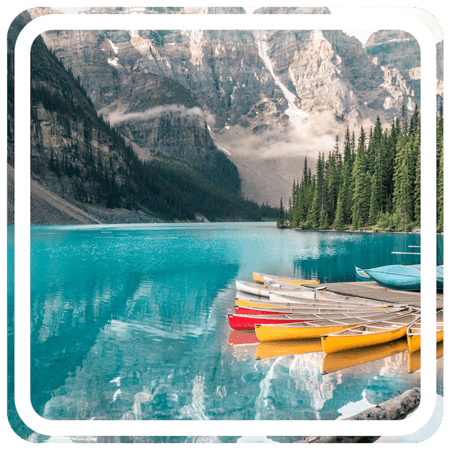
pixel 129 322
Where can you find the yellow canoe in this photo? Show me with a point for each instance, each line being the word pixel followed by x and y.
pixel 259 278
pixel 318 328
pixel 413 332
pixel 342 360
pixel 280 348
pixel 378 331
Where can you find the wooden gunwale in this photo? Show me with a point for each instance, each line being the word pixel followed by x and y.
pixel 316 329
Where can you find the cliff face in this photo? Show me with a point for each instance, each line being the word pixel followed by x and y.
pixel 292 10
pixel 398 55
pixel 220 69
pixel 80 158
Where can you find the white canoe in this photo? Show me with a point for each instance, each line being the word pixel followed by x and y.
pixel 356 301
pixel 288 287
pixel 264 290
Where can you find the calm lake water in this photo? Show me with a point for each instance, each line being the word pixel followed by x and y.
pixel 129 322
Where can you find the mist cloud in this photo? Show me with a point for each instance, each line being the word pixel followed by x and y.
pixel 311 135
pixel 120 115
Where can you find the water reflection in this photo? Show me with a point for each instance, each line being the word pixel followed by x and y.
pixel 414 358
pixel 112 307
pixel 341 360
pixel 130 323
pixel 331 257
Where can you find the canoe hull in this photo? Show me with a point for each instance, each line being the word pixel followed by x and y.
pixel 259 278
pixel 306 305
pixel 414 341
pixel 403 278
pixel 362 275
pixel 270 333
pixel 403 285
pixel 249 289
pixel 256 312
pixel 248 322
pixel 333 344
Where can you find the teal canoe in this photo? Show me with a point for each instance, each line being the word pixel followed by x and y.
pixel 362 275
pixel 400 277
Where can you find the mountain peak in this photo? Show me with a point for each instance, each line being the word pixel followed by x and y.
pixel 291 10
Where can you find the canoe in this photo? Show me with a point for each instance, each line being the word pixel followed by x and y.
pixel 256 311
pixel 413 332
pixel 310 303
pixel 260 311
pixel 322 295
pixel 318 328
pixel 263 290
pixel 286 286
pixel 350 301
pixel 362 275
pixel 378 331
pixel 355 356
pixel 397 276
pixel 259 278
pixel 281 348
pixel 248 322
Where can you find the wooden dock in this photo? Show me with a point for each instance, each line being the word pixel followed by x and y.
pixel 372 290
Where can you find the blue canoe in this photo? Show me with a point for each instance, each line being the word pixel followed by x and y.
pixel 401 277
pixel 362 275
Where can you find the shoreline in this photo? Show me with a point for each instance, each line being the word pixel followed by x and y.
pixel 358 231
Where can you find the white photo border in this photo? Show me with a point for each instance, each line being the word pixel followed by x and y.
pixel 382 20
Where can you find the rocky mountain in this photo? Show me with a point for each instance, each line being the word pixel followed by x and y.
pixel 292 10
pixel 84 161
pixel 265 99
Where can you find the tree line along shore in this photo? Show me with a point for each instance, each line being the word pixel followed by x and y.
pixel 374 185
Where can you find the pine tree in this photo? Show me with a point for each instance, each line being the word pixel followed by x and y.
pixel 403 190
pixel 415 163
pixel 338 223
pixel 379 167
pixel 417 195
pixel 281 219
pixel 324 223
pixel 332 186
pixel 373 210
pixel 370 153
pixel 318 201
pixel 359 200
pixel 440 170
pixel 347 192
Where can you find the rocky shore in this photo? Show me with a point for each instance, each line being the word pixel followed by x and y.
pixel 47 208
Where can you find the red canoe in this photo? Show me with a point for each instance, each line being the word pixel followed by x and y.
pixel 243 322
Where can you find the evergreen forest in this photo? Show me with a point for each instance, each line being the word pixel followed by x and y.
pixel 373 184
